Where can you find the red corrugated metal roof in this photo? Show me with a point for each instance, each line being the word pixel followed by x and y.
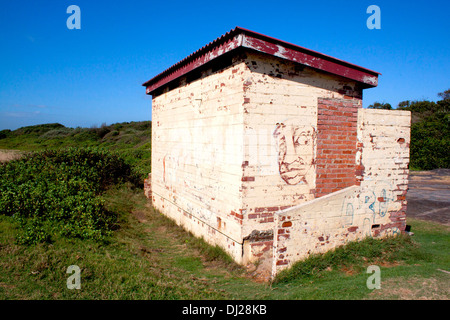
pixel 240 37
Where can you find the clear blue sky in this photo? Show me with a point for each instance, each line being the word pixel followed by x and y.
pixel 91 76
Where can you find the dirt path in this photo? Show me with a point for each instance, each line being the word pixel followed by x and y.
pixel 429 195
pixel 8 155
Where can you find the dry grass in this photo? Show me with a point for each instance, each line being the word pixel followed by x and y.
pixel 414 288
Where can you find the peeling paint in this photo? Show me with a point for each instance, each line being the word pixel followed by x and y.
pixel 238 154
pixel 375 207
pixel 240 37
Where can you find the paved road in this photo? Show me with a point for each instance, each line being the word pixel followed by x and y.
pixel 429 195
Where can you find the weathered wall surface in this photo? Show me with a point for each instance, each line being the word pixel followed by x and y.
pixel 383 166
pixel 285 132
pixel 273 161
pixel 316 226
pixel 197 156
pixel 375 206
pixel 280 133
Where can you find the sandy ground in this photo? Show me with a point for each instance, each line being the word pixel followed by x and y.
pixel 7 155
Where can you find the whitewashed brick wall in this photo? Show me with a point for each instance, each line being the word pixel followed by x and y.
pixel 376 207
pixel 222 148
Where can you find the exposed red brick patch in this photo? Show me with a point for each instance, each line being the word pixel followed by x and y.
pixel 336 145
pixel 286 224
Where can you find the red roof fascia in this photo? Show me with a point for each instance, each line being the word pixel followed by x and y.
pixel 195 60
pixel 240 37
pixel 321 62
pixel 274 40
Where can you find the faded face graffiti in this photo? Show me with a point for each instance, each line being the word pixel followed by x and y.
pixel 295 151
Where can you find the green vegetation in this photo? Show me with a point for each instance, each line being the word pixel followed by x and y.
pixel 75 198
pixel 81 207
pixel 357 256
pixel 430 134
pixel 378 105
pixel 58 193
pixel 430 131
pixel 132 140
pixel 149 257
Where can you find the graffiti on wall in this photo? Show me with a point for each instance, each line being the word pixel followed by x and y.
pixel 295 147
pixel 371 206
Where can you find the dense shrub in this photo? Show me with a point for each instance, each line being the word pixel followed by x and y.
pixel 4 133
pixel 430 133
pixel 123 138
pixel 430 142
pixel 58 192
pixel 57 133
pixel 38 129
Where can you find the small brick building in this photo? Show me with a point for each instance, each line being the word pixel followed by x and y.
pixel 263 148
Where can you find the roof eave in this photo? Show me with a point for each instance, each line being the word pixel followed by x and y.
pixel 194 61
pixel 240 37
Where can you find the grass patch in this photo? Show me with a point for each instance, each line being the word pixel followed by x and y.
pixel 146 255
pixel 354 257
pixel 137 263
pixel 409 269
pixel 149 257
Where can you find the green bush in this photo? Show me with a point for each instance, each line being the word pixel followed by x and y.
pixel 120 137
pixel 57 133
pixel 58 193
pixel 430 142
pixel 38 129
pixel 4 133
pixel 430 133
